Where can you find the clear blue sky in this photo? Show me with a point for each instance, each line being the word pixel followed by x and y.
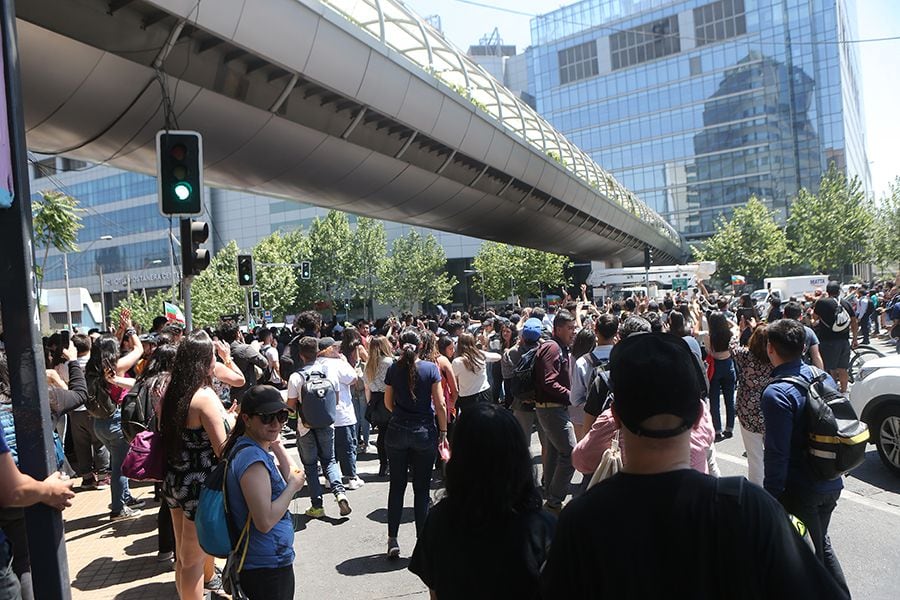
pixel 465 24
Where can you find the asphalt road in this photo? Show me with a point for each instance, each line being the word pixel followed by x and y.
pixel 345 558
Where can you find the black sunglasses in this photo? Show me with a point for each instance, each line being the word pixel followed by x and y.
pixel 281 415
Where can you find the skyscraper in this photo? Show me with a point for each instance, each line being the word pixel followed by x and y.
pixel 697 105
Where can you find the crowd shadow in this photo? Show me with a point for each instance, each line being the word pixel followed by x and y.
pixel 141 546
pixel 101 524
pixel 369 565
pixel 300 520
pixel 380 515
pixel 150 590
pixel 122 571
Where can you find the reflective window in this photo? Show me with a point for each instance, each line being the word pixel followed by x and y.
pixel 645 42
pixel 719 21
pixel 578 62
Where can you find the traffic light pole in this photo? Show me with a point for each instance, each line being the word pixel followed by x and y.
pixel 247 309
pixel 18 302
pixel 188 320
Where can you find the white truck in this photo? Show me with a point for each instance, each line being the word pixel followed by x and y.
pixel 785 288
pixel 613 282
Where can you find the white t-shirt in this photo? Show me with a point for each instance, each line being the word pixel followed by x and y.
pixel 271 354
pixel 295 384
pixel 339 372
pixel 471 383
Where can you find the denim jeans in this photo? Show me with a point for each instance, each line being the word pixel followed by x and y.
pixel 9 583
pixel 268 584
pixel 722 382
pixel 815 512
pixel 560 436
pixel 90 453
pixel 345 449
pixel 317 447
pixel 109 431
pixel 527 421
pixel 409 447
pixel 363 427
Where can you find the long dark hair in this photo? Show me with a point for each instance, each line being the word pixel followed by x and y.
pixel 236 432
pixel 676 324
pixel 104 356
pixel 489 476
pixel 428 350
pixel 161 361
pixel 719 331
pixel 191 372
pixel 585 341
pixel 350 340
pixel 410 341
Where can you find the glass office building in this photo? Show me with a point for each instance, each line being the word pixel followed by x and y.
pixel 697 105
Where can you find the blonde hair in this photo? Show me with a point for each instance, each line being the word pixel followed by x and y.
pixel 379 347
pixel 471 355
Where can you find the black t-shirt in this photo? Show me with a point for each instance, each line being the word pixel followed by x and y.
pixel 502 560
pixel 826 309
pixel 673 535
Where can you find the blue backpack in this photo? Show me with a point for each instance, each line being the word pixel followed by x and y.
pixel 215 531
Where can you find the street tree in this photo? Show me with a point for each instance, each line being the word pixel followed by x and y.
pixel 56 219
pixel 750 244
pixel 330 241
pixel 885 249
pixel 506 270
pixel 367 255
pixel 832 229
pixel 215 291
pixel 415 272
pixel 143 308
pixel 277 281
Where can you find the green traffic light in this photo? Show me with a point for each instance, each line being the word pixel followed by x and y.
pixel 182 191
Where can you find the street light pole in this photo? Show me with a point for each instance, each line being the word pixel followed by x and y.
pixel 66 276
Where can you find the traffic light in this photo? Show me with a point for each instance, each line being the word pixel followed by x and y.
pixel 648 257
pixel 254 299
pixel 245 269
pixel 193 258
pixel 304 269
pixel 179 170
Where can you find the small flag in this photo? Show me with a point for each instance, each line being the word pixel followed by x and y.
pixel 173 313
pixel 738 280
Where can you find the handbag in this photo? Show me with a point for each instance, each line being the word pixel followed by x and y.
pixel 610 463
pixel 146 458
pixel 376 412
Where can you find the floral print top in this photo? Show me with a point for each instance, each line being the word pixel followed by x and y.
pixel 753 376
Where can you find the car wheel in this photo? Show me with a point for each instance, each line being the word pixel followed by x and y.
pixel 887 427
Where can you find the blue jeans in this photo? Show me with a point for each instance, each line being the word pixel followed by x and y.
pixel 345 449
pixel 560 436
pixel 722 382
pixel 363 427
pixel 316 447
pixel 9 583
pixel 815 511
pixel 409 447
pixel 109 431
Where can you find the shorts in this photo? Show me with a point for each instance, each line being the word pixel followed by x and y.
pixel 835 354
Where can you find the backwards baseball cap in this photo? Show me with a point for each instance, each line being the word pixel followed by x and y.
pixel 326 342
pixel 531 332
pixel 655 374
pixel 262 400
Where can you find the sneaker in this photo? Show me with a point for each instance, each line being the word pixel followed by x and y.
pixel 354 483
pixel 727 434
pixel 135 503
pixel 393 549
pixel 315 512
pixel 214 584
pixel 89 482
pixel 719 437
pixel 343 504
pixel 102 483
pixel 125 513
pixel 164 556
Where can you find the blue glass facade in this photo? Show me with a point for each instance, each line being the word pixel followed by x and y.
pixel 696 105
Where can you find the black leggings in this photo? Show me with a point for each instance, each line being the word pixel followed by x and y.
pixel 268 584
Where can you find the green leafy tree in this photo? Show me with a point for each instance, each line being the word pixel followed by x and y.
pixel 56 219
pixel 516 270
pixel 330 242
pixel 368 252
pixel 416 272
pixel 143 308
pixel 750 244
pixel 215 291
pixel 886 249
pixel 832 229
pixel 279 286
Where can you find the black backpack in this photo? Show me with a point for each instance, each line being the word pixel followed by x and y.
pixel 837 438
pixel 137 410
pixel 599 388
pixel 522 383
pixel 318 399
pixel 99 403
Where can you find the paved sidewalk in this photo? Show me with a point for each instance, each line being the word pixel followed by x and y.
pixel 115 559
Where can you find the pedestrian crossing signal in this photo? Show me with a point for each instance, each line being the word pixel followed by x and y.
pixel 245 269
pixel 254 299
pixel 304 269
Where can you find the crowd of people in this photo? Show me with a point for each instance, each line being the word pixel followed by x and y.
pixel 459 397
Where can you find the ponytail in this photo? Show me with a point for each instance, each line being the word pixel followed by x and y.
pixel 409 352
pixel 239 429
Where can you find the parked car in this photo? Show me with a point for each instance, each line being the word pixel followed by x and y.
pixel 875 395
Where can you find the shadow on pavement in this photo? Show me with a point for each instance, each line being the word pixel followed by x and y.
pixel 367 565
pixel 300 520
pixel 873 472
pixel 141 546
pixel 104 571
pixel 150 590
pixel 379 515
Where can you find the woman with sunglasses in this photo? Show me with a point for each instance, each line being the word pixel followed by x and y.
pixel 261 482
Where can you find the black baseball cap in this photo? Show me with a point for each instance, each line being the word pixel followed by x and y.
pixel 655 374
pixel 262 400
